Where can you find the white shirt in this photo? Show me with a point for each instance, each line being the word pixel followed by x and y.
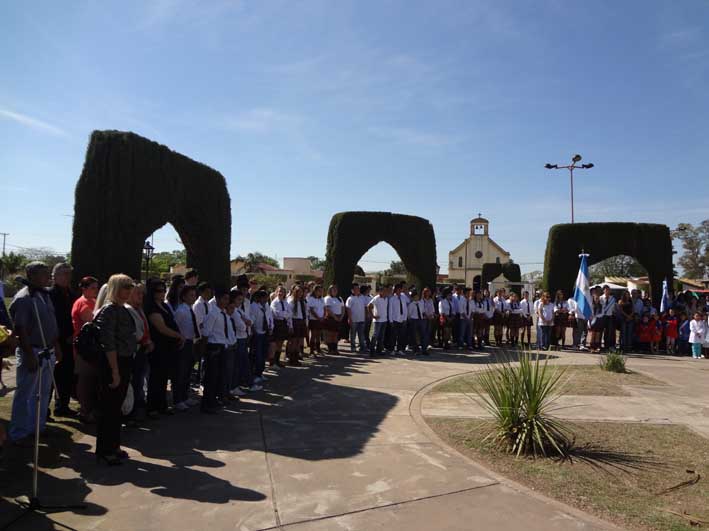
pixel 258 311
pixel 216 328
pixel 608 305
pixel 546 314
pixel 356 305
pixel 428 305
pixel 466 307
pixel 417 310
pixel 299 310
pixel 281 311
pixel 514 307
pixel 445 307
pixel 380 306
pixel 240 329
pixel 334 305
pixel 500 304
pixel 183 318
pixel 638 306
pixel 397 308
pixel 316 306
pixel 561 307
pixel 200 308
pixel 697 331
pixel 526 307
pixel 245 308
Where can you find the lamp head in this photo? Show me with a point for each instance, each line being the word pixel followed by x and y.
pixel 576 158
pixel 550 166
pixel 587 166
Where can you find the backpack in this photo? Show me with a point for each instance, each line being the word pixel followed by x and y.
pixel 88 342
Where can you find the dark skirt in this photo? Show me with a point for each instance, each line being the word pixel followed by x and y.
pixel 300 330
pixel 497 319
pixel 315 325
pixel 514 320
pixel 331 324
pixel 561 319
pixel 280 330
pixel 598 324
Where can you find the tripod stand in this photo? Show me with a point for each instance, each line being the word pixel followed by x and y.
pixel 33 503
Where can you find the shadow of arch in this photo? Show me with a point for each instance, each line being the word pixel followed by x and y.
pixel 650 244
pixel 131 186
pixel 352 234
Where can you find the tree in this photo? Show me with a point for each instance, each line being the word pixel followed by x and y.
pixel 534 276
pixel 317 263
pixel 396 267
pixel 695 243
pixel 163 261
pixel 616 266
pixel 252 260
pixel 44 254
pixel 12 263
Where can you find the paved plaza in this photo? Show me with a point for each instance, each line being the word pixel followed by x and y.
pixel 339 443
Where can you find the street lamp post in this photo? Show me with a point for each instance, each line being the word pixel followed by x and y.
pixel 571 167
pixel 148 255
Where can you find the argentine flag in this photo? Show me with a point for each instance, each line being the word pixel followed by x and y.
pixel 665 303
pixel 582 291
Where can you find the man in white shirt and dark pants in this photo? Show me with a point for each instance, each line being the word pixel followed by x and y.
pixel 379 308
pixel 397 320
pixel 216 330
pixel 356 314
pixel 608 303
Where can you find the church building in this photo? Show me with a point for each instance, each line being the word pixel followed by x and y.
pixel 465 262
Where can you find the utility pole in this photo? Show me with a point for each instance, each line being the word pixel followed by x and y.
pixel 4 235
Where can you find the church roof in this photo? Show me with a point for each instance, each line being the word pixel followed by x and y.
pixel 479 220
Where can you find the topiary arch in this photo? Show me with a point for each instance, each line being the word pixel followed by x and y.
pixel 493 270
pixel 130 187
pixel 352 234
pixel 649 243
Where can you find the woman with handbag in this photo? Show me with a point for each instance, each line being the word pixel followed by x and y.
pixel 82 312
pixel 118 338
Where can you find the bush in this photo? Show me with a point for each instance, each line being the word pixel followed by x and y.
pixel 613 362
pixel 519 398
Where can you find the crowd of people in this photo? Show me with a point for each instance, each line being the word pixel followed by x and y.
pixel 171 346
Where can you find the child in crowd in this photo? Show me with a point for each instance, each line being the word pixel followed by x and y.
pixel 671 331
pixel 656 326
pixel 683 339
pixel 545 314
pixel 697 334
pixel 646 332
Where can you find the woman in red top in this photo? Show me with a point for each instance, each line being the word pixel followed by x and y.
pixel 671 330
pixel 86 385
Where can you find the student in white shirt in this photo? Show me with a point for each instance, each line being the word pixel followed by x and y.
pixel 466 309
pixel 526 324
pixel 447 315
pixel 316 316
pixel 429 305
pixel 608 302
pixel 379 308
pixel 201 305
pixel 397 320
pixel 228 359
pixel 514 321
pixel 366 298
pixel 545 314
pixel 242 376
pixel 417 324
pixel 216 330
pixel 282 324
pixel 334 316
pixel 299 315
pixel 187 324
pixel 538 326
pixel 498 319
pixel 356 313
pixel 561 318
pixel 697 334
pixel 261 328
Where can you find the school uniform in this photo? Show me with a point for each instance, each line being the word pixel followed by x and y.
pixel 299 318
pixel 215 329
pixel 418 326
pixel 397 322
pixel 609 308
pixel 282 319
pixel 466 309
pixel 261 329
pixel 455 331
pixel 336 308
pixel 498 319
pixel 380 316
pixel 366 299
pixel 527 311
pixel 580 328
pixel 241 375
pixel 561 321
pixel 545 314
pixel 227 363
pixel 514 311
pixel 187 324
pixel 357 304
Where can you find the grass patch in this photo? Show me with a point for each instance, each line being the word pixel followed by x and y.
pixel 587 380
pixel 623 473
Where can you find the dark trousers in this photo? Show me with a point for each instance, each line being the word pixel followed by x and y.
pixel 140 369
pixel 64 375
pixel 609 332
pixel 212 361
pixel 241 374
pixel 108 411
pixel 159 360
pixel 185 362
pixel 259 349
pixel 418 334
pixel 378 341
pixel 226 369
pixel 397 336
pixel 545 342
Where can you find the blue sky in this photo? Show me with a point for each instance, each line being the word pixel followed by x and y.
pixel 439 109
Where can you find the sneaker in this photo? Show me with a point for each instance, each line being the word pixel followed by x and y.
pixel 182 406
pixel 256 387
pixel 238 391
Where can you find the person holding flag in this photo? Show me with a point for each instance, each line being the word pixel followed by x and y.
pixel 582 306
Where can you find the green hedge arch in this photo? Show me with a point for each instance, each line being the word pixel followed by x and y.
pixel 131 186
pixel 352 234
pixel 649 243
pixel 492 270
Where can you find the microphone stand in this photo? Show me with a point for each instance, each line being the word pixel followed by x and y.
pixel 33 504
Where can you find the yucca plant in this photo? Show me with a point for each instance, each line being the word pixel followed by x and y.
pixel 613 362
pixel 520 399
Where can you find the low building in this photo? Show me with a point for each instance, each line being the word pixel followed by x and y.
pixel 465 262
pixel 302 269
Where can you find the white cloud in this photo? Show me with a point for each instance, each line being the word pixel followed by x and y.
pixel 32 123
pixel 406 135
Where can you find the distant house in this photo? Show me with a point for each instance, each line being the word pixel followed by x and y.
pixel 689 284
pixel 302 268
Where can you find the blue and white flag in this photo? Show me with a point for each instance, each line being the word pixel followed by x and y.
pixel 665 303
pixel 582 290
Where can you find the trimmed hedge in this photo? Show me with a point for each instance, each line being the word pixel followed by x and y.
pixel 492 270
pixel 352 234
pixel 130 187
pixel 649 243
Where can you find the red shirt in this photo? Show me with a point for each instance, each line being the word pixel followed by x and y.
pixel 80 306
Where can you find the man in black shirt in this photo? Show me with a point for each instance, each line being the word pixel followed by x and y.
pixel 63 299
